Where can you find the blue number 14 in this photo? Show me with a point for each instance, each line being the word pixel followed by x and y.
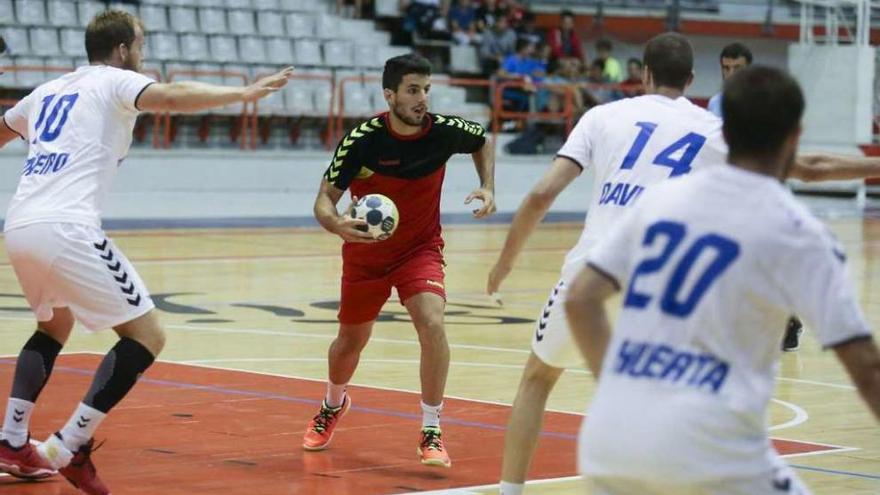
pixel 689 146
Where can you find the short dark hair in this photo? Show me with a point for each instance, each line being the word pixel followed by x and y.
pixel 737 50
pixel 107 30
pixel 762 106
pixel 670 59
pixel 566 13
pixel 522 43
pixel 396 68
pixel 634 61
pixel 603 44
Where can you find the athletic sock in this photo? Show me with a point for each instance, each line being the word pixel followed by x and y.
pixel 431 415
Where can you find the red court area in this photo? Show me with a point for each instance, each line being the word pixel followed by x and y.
pixel 194 430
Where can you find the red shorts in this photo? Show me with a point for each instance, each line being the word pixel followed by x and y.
pixel 365 288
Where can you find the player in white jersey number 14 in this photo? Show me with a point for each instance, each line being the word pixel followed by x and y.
pixel 632 145
pixel 710 267
pixel 79 129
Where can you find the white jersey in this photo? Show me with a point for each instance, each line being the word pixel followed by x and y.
pixel 633 144
pixel 79 129
pixel 710 266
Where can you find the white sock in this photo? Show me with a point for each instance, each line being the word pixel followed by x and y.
pixel 510 488
pixel 335 394
pixel 431 415
pixel 81 427
pixel 55 452
pixel 15 425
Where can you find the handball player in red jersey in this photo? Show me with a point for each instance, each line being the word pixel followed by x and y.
pixel 401 154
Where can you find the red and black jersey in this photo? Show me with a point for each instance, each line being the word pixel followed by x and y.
pixel 372 158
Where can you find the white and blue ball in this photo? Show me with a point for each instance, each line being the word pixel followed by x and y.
pixel 379 212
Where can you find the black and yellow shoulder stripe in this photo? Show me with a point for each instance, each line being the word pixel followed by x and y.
pixel 348 141
pixel 460 123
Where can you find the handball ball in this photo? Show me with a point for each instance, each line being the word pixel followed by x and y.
pixel 379 212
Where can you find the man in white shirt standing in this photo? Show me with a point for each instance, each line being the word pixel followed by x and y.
pixel 710 267
pixel 79 129
pixel 633 145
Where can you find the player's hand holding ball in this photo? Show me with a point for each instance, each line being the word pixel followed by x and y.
pixel 373 217
pixel 487 196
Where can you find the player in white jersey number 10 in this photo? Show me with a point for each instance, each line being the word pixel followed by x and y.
pixel 633 145
pixel 79 129
pixel 707 285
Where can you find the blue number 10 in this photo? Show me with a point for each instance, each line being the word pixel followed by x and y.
pixel 725 251
pixel 691 144
pixel 54 122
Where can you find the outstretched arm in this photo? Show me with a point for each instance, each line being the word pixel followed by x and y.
pixel 6 133
pixel 821 167
pixel 484 162
pixel 192 96
pixel 529 215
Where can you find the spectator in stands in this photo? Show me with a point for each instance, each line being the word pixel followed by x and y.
pixel 564 41
pixel 463 22
pixel 422 16
pixel 529 31
pixel 562 74
pixel 632 85
pixel 487 13
pixel 497 43
pixel 613 70
pixel 734 57
pixel 522 65
pixel 596 90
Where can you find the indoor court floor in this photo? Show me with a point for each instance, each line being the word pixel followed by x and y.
pixel 250 314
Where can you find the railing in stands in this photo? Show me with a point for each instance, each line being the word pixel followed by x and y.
pixel 331 87
pixel 499 113
pixel 238 133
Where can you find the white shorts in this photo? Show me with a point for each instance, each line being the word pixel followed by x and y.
pixel 780 479
pixel 552 341
pixel 76 266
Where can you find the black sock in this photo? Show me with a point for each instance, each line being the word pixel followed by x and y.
pixel 34 365
pixel 117 374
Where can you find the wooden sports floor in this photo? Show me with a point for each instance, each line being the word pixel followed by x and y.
pixel 250 314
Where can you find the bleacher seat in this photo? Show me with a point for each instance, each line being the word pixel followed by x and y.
pixel 223 49
pixel 16 40
pixel 62 13
pixel 212 21
pixel 266 5
pixel 327 26
pixel 172 68
pixel 44 41
pixel 62 62
pixel 164 46
pixel 273 104
pixel 6 12
pixel 252 49
pixel 239 4
pixel 279 51
pixel 73 42
pixel 193 47
pixel 464 58
pixel 244 70
pixel 270 24
pixel 30 12
pixel 322 90
pixel 300 25
pixel 354 29
pixel 183 19
pixel 154 17
pixel 29 79
pixel 300 99
pixel 367 55
pixel 307 52
pixel 358 101
pixel 338 53
pixel 304 6
pixel 210 3
pixel 88 10
pixel 392 51
pixel 125 7
pixel 241 21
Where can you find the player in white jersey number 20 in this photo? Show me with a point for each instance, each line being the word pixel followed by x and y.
pixel 710 267
pixel 79 129
pixel 632 145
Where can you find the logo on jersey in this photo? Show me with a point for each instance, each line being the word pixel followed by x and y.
pixel 620 194
pixel 545 313
pixel 345 146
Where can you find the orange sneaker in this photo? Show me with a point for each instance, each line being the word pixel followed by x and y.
pixel 320 430
pixel 431 450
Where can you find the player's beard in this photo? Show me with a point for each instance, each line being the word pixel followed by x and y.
pixel 399 112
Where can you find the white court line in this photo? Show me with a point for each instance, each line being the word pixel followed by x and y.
pixel 362 360
pixel 800 416
pixel 813 382
pixel 468 490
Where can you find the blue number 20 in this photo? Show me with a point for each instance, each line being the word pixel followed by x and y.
pixel 54 122
pixel 672 302
pixel 691 143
